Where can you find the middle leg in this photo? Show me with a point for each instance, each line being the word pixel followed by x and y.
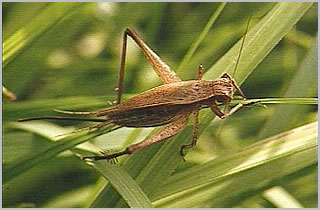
pixel 196 120
pixel 199 72
pixel 195 135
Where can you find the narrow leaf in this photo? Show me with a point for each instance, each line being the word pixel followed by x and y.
pixel 303 84
pixel 25 36
pixel 279 148
pixel 22 165
pixel 205 31
pixel 257 46
pixel 124 184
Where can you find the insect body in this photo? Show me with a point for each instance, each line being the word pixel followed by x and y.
pixel 164 104
pixel 169 105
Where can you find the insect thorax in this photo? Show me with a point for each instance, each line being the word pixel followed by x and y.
pixel 223 90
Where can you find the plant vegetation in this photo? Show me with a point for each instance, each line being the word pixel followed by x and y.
pixel 66 56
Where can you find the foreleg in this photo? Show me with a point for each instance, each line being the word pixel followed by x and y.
pixel 220 114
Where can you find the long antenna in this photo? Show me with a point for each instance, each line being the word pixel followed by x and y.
pixel 242 44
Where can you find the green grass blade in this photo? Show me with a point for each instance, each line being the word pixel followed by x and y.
pixel 303 84
pixel 22 109
pixel 124 184
pixel 281 198
pixel 274 152
pixel 275 24
pixel 300 101
pixel 25 36
pixel 196 43
pixel 17 167
pixel 229 192
pixel 34 108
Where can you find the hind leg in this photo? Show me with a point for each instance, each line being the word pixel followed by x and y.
pixel 169 131
pixel 164 72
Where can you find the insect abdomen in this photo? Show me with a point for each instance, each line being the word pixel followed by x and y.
pixel 149 117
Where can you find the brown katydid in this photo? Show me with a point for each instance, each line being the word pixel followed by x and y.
pixel 169 105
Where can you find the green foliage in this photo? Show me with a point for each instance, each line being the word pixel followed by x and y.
pixel 66 56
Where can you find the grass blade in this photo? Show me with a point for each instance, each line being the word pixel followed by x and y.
pixel 300 101
pixel 22 165
pixel 281 198
pixel 303 84
pixel 280 148
pixel 25 36
pixel 124 184
pixel 195 45
pixel 257 46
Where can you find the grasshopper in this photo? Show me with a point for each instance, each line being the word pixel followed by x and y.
pixel 169 105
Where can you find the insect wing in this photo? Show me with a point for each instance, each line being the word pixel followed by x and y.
pixel 186 92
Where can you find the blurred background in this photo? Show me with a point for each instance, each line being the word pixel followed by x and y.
pixel 73 65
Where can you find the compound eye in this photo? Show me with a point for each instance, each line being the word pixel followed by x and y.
pixel 224 79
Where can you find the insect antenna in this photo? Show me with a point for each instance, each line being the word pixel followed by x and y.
pixel 242 44
pixel 241 47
